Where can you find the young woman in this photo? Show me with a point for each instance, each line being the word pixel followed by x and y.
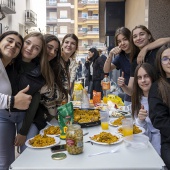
pixel 140 37
pixel 121 55
pixel 143 78
pixel 32 68
pixel 10 46
pixel 69 46
pixel 94 64
pixel 52 97
pixel 159 101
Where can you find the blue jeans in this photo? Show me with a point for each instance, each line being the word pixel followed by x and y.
pixel 9 126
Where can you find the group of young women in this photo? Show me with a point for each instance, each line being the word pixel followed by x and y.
pixel 145 77
pixel 35 80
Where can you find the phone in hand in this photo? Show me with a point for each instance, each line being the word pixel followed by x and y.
pixel 58 148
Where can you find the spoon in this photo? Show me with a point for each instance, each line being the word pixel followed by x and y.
pixel 104 152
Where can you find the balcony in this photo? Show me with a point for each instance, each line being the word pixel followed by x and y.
pixel 30 18
pixel 52 32
pixel 8 6
pixel 89 5
pixel 51 4
pixel 51 20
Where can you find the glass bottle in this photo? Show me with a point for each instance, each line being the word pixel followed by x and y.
pixel 106 86
pixel 74 139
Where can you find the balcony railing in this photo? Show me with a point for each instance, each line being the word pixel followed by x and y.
pixel 88 2
pixel 30 18
pixel 51 3
pixel 51 20
pixel 8 6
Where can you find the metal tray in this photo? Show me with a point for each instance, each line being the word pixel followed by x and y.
pixel 90 124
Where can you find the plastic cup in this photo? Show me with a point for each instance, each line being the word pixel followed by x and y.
pixel 104 117
pixel 127 126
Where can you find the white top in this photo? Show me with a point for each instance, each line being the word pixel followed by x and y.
pixel 91 69
pixel 5 87
pixel 72 69
pixel 150 131
pixel 123 159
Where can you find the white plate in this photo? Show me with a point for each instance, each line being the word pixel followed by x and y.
pixel 141 128
pixel 125 109
pixel 57 141
pixel 42 133
pixel 119 140
pixel 112 120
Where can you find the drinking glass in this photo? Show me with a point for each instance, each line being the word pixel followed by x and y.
pixel 127 126
pixel 104 117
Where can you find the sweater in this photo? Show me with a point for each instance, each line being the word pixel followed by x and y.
pixel 159 113
pixel 5 87
pixel 150 131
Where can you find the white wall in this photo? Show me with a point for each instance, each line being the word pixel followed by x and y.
pixel 16 21
pixel 19 17
pixel 39 7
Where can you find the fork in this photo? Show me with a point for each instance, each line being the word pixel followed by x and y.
pixel 104 152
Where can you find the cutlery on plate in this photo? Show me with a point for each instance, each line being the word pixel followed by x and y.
pixel 85 133
pixel 49 123
pixel 89 142
pixel 104 152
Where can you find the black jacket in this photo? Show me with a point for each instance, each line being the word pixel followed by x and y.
pixel 98 64
pixel 159 113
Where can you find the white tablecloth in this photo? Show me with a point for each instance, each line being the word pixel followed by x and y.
pixel 124 159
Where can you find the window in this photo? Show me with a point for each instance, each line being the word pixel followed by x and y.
pixel 63 14
pixel 63 0
pixel 53 16
pixel 63 29
pixel 52 2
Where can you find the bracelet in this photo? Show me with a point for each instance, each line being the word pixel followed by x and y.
pixel 8 102
pixel 12 103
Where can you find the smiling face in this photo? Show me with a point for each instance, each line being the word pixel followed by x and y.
pixel 10 47
pixel 123 43
pixel 31 48
pixel 52 49
pixel 166 67
pixel 140 37
pixel 144 81
pixel 69 46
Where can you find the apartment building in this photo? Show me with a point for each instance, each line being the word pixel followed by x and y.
pixel 75 16
pixel 87 23
pixel 23 16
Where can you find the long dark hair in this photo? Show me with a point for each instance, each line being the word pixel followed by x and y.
pixel 55 62
pixel 95 56
pixel 2 36
pixel 137 91
pixel 124 31
pixel 134 49
pixel 163 85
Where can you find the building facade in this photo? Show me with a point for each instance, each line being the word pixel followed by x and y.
pixel 22 16
pixel 75 16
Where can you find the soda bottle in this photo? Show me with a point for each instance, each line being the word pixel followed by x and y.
pixel 106 86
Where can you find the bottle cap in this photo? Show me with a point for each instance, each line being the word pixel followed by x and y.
pixel 58 156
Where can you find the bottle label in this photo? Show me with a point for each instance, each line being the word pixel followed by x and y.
pixel 70 142
pixel 106 85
